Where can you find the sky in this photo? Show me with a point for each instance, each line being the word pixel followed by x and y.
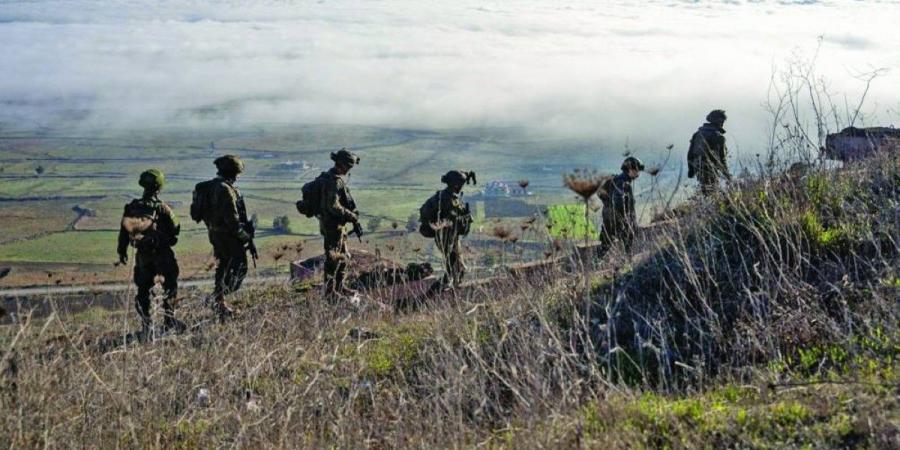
pixel 643 70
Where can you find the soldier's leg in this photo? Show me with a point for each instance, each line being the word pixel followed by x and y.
pixel 144 275
pixel 332 256
pixel 456 263
pixel 223 264
pixel 336 260
pixel 607 234
pixel 708 181
pixel 440 242
pixel 235 262
pixel 168 268
pixel 219 255
pixel 340 273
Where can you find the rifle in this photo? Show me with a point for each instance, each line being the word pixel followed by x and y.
pixel 251 246
pixel 254 254
pixel 357 230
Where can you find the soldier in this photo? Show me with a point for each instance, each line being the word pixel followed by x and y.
pixel 336 210
pixel 619 218
pixel 221 207
pixel 150 226
pixel 446 218
pixel 707 153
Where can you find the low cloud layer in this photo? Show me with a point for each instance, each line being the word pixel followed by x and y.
pixel 602 69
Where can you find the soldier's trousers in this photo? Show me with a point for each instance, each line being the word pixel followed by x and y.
pixel 147 265
pixel 709 181
pixel 231 257
pixel 336 258
pixel 454 267
pixel 617 228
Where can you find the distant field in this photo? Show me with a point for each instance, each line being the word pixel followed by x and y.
pixel 42 176
pixel 568 221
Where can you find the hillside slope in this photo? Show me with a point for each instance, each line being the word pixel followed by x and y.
pixel 765 318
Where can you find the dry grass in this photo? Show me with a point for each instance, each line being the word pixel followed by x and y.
pixel 693 342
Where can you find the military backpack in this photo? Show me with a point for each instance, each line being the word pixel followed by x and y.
pixel 428 215
pixel 310 203
pixel 140 222
pixel 201 204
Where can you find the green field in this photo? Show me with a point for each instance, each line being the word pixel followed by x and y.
pixel 43 176
pixel 568 222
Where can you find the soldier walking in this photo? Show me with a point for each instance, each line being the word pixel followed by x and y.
pixel 336 210
pixel 220 205
pixel 446 218
pixel 150 226
pixel 619 217
pixel 707 154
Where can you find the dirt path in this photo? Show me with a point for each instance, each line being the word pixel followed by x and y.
pixel 41 301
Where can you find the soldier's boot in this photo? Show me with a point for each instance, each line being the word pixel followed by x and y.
pixel 222 308
pixel 170 323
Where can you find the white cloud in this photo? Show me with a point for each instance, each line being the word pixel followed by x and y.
pixel 588 68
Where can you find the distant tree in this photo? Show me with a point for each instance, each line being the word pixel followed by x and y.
pixel 412 223
pixel 254 219
pixel 39 170
pixel 281 224
pixel 373 224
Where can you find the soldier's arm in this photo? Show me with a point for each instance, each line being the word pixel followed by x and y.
pixel 331 202
pixel 723 158
pixel 169 224
pixel 122 248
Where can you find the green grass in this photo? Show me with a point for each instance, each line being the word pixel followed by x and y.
pixel 568 222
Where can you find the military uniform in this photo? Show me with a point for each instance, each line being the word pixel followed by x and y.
pixel 228 233
pixel 452 221
pixel 336 210
pixel 619 217
pixel 221 207
pixel 153 255
pixel 707 157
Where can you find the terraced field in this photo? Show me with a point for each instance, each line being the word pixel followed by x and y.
pixel 44 174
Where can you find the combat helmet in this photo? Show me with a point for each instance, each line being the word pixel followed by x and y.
pixel 454 177
pixel 229 165
pixel 345 156
pixel 152 179
pixel 632 162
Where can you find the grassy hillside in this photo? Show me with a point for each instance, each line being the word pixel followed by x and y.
pixel 764 318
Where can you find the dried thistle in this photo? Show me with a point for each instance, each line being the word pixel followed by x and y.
pixel 501 232
pixel 277 255
pixel 523 184
pixel 654 171
pixel 583 183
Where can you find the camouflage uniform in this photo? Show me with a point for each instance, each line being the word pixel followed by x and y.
pixel 337 209
pixel 453 220
pixel 153 255
pixel 619 217
pixel 228 230
pixel 707 155
pixel 450 219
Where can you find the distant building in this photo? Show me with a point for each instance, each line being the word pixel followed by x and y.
pixel 858 143
pixel 291 166
pixel 494 189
